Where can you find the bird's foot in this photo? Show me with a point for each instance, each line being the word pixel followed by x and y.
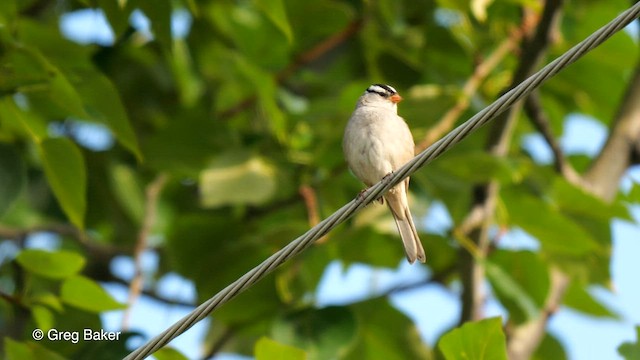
pixel 361 195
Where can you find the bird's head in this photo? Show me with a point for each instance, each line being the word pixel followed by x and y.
pixel 380 95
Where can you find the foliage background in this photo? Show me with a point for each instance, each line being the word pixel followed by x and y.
pixel 214 147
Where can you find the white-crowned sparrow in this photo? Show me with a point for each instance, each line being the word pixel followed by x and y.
pixel 377 142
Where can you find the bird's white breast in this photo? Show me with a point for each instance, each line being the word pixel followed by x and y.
pixel 377 141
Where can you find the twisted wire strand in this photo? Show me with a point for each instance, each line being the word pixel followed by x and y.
pixel 458 134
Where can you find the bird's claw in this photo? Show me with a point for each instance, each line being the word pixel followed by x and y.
pixel 361 195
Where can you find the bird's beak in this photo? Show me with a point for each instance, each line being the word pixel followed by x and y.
pixel 395 98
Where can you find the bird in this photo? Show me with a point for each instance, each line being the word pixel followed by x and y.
pixel 377 142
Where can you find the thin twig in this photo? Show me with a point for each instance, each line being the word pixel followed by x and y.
pixel 533 109
pixel 524 339
pixel 227 334
pixel 64 230
pixel 150 293
pixel 151 205
pixel 437 278
pixel 311 203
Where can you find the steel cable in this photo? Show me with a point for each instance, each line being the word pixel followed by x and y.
pixel 374 192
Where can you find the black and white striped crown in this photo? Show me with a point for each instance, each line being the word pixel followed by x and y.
pixel 382 90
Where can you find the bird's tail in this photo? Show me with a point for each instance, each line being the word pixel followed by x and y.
pixel 397 202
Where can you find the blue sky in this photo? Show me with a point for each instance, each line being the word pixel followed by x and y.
pixel 433 308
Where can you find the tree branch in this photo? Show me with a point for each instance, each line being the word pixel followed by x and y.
pixel 533 109
pixel 499 138
pixel 135 288
pixel 603 177
pixel 150 293
pixel 65 230
pixel 524 339
pixel 311 202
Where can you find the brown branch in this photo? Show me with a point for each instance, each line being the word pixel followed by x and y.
pixel 65 230
pixel 524 339
pixel 301 60
pixel 603 177
pixel 149 293
pixel 320 50
pixel 311 203
pixel 135 288
pixel 218 345
pixel 15 300
pixel 499 138
pixel 437 278
pixel 533 109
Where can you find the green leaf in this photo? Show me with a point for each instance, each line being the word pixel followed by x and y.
pixel 7 11
pixel 520 280
pixel 629 350
pixel 267 349
pixel 377 248
pixel 159 13
pixel 511 293
pixel 634 194
pixel 578 202
pixel 65 169
pixel 189 250
pixel 21 121
pixel 330 17
pixel 169 353
pixel 49 300
pixel 260 42
pixel 578 298
pixel 476 166
pixel 86 294
pixel 479 9
pixel 12 176
pixel 55 265
pixel 62 93
pixel 15 350
pixel 558 234
pixel 118 13
pixel 599 93
pixel 475 340
pixel 237 178
pixel 189 82
pixel 128 191
pixel 79 89
pixel 49 89
pixel 267 91
pixel 322 333
pixel 385 333
pixel 103 104
pixel 43 317
pixel 549 348
pixel 276 12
